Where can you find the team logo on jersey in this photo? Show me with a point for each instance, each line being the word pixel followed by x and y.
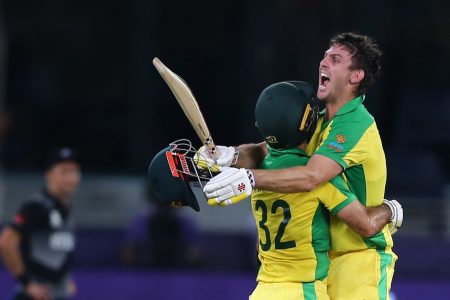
pixel 335 146
pixel 55 219
pixel 340 138
pixel 62 241
pixel 241 187
pixel 271 139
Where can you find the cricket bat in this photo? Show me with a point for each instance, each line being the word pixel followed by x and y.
pixel 190 107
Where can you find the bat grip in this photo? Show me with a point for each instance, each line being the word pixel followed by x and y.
pixel 209 143
pixel 214 151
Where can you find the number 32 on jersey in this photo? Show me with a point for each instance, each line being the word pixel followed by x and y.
pixel 268 218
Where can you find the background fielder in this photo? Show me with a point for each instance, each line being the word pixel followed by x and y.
pixel 37 247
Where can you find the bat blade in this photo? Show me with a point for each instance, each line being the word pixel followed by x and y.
pixel 188 104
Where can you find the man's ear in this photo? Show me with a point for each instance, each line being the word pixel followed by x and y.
pixel 357 76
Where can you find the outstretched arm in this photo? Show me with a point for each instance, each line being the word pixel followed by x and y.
pixel 319 170
pixel 236 184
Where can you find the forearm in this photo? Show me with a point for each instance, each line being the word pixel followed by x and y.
pixel 251 155
pixel 319 170
pixel 228 185
pixel 365 221
pixel 378 217
pixel 289 180
pixel 11 252
pixel 13 262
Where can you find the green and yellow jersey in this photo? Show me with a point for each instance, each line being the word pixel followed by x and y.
pixel 352 139
pixel 293 229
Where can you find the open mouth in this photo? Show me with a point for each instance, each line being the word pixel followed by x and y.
pixel 324 80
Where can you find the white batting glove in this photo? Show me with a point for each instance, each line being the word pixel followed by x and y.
pixel 228 157
pixel 397 215
pixel 229 187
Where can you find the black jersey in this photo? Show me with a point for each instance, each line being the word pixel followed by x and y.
pixel 48 238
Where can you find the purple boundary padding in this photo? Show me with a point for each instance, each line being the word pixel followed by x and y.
pixel 119 284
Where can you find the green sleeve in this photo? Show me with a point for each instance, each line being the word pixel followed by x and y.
pixel 345 134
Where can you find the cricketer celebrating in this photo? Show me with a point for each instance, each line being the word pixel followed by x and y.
pixel 346 141
pixel 293 228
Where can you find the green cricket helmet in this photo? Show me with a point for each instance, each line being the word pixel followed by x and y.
pixel 172 172
pixel 286 114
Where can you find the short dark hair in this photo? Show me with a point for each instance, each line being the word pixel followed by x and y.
pixel 365 55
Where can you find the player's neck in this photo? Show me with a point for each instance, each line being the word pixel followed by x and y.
pixel 59 195
pixel 332 107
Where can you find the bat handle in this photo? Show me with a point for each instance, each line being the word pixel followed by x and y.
pixel 209 143
pixel 214 152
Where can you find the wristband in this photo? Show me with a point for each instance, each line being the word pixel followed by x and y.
pixel 251 178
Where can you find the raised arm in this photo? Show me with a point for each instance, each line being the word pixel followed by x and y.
pixel 251 155
pixel 243 156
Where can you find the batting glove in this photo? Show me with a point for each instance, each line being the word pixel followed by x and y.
pixel 228 157
pixel 397 215
pixel 232 185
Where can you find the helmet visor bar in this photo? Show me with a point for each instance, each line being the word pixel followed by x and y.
pixel 182 164
pixel 309 116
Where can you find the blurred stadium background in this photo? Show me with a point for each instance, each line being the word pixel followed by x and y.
pixel 79 73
